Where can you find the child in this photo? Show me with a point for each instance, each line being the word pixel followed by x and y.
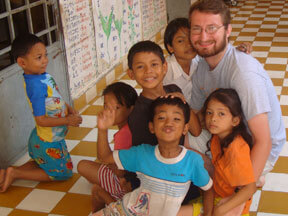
pixel 148 67
pixel 182 63
pixel 46 145
pixel 108 186
pixel 165 170
pixel 230 145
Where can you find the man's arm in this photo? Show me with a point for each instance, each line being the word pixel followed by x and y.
pixel 259 127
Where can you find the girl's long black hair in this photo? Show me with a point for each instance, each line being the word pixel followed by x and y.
pixel 231 100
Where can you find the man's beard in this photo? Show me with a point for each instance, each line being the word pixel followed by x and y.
pixel 209 53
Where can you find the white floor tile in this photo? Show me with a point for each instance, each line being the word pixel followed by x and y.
pixel 284 151
pixel 111 133
pixel 276 182
pixel 91 136
pixel 276 74
pixel 274 12
pixel 257 15
pixel 241 19
pixel 255 200
pixel 82 186
pixel 285 82
pixel 283 23
pixel 275 19
pixel 280 39
pixel 284 99
pixel 261 9
pixel 276 61
pixel 265 34
pixel 278 90
pixel 71 144
pixel 5 211
pixel 245 38
pixel 25 183
pixel 41 200
pixel 249 30
pixel 76 158
pixel 99 102
pixel 254 22
pixel 285 119
pixel 259 54
pixel 234 33
pixel 267 26
pixel 261 43
pixel 279 49
pixel 237 26
pixel 269 214
pixel 281 30
pixel 22 160
pixel 89 121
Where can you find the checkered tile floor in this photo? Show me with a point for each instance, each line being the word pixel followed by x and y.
pixel 265 25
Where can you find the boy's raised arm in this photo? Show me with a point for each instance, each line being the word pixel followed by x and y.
pixel 104 121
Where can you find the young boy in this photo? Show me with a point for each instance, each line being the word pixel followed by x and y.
pixel 46 145
pixel 165 170
pixel 148 67
pixel 111 184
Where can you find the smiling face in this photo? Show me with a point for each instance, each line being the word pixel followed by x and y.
pixel 168 124
pixel 207 45
pixel 219 119
pixel 35 61
pixel 181 45
pixel 148 70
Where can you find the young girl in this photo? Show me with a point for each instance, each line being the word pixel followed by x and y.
pixel 182 63
pixel 165 170
pixel 230 145
pixel 110 184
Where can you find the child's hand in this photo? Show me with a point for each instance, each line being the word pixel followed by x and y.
pixel 106 118
pixel 74 120
pixel 176 94
pixel 245 47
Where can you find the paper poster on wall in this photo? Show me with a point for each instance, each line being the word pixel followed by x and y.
pixel 154 17
pixel 117 28
pixel 80 45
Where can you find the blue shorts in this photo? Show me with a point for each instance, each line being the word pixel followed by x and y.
pixel 52 157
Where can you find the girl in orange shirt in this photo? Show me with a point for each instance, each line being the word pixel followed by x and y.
pixel 230 145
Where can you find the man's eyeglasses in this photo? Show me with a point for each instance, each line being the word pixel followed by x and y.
pixel 211 29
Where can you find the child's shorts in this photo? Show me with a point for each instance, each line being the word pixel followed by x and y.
pixel 198 206
pixel 115 208
pixel 52 157
pixel 110 182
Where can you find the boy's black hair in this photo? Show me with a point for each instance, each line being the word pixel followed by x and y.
pixel 176 101
pixel 23 43
pixel 132 178
pixel 172 28
pixel 144 46
pixel 231 100
pixel 125 94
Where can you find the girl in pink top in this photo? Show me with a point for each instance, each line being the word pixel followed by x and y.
pixel 111 184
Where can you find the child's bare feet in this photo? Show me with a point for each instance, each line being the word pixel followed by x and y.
pixel 9 178
pixel 2 177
